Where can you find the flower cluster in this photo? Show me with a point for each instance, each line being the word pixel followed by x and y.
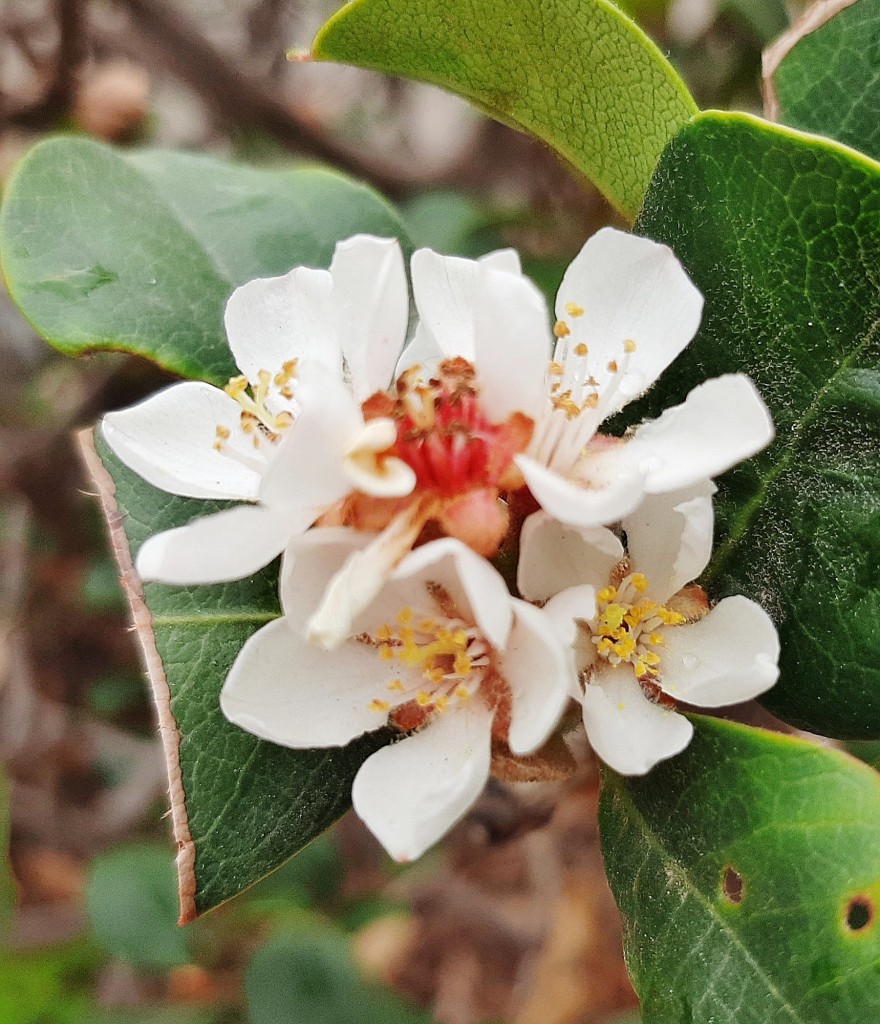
pixel 389 471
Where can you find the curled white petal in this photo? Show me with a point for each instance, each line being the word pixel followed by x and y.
pixel 382 477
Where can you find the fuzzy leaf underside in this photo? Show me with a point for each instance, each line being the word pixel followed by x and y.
pixel 781 233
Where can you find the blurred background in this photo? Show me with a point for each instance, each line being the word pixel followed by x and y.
pixel 511 921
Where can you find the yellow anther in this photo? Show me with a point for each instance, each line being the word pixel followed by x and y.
pixel 670 618
pixel 460 639
pixel 657 639
pixel 652 658
pixel 386 653
pixel 561 329
pixel 441 703
pixel 434 675
pixel 379 705
pixel 639 582
pixel 396 686
pixel 405 616
pixel 462 665
pixel 462 692
pixel 555 369
pixel 573 309
pixel 592 400
pixel 607 594
pixel 612 366
pixel 427 625
pixel 581 349
pixel 423 699
pixel 629 345
pixel 384 634
pixel 223 433
pixel 236 386
pixel 612 617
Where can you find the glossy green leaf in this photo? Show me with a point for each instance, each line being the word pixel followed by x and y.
pixel 826 80
pixel 249 804
pixel 781 233
pixel 577 74
pixel 747 870
pixel 140 251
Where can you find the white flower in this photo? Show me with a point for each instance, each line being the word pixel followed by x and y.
pixel 443 652
pixel 290 336
pixel 624 311
pixel 640 639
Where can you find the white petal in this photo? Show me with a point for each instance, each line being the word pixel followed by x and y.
pixel 307 468
pixel 372 304
pixel 669 538
pixel 423 351
pixel 365 572
pixel 631 289
pixel 565 611
pixel 536 667
pixel 511 345
pixel 629 732
pixel 411 793
pixel 617 491
pixel 274 319
pixel 720 423
pixel 228 545
pixel 506 260
pixel 169 441
pixel 310 563
pixel 284 690
pixel 477 589
pixel 554 556
pixel 729 656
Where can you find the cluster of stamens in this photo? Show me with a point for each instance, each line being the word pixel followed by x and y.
pixel 256 419
pixel 574 391
pixel 625 628
pixel 443 434
pixel 443 661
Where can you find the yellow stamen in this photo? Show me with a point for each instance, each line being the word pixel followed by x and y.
pixel 581 349
pixel 561 329
pixel 573 309
pixel 379 705
pixel 629 345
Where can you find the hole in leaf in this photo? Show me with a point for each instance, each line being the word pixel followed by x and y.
pixel 859 913
pixel 732 885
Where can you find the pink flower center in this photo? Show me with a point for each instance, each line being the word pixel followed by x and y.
pixel 444 435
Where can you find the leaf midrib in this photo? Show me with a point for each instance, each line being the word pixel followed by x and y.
pixel 206 621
